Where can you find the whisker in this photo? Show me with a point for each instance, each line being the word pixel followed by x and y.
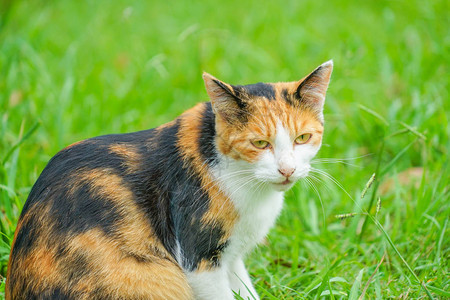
pixel 320 199
pixel 326 160
pixel 336 162
pixel 347 158
pixel 333 180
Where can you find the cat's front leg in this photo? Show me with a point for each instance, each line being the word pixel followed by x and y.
pixel 240 281
pixel 213 284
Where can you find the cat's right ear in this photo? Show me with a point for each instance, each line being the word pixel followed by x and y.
pixel 225 100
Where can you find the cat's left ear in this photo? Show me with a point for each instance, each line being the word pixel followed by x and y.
pixel 312 89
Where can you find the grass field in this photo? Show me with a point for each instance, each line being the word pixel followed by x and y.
pixel 70 70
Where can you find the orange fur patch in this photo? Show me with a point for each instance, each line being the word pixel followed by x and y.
pixel 124 276
pixel 129 154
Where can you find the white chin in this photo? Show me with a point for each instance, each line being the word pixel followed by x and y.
pixel 282 186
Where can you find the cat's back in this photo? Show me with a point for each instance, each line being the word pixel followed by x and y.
pixel 82 233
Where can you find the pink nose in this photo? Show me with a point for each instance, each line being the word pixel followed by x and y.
pixel 286 172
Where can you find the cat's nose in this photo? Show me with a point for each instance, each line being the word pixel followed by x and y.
pixel 286 172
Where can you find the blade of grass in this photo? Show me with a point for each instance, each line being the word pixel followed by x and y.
pixel 377 288
pixel 24 138
pixel 322 285
pixel 7 189
pixel 11 175
pixel 439 246
pixel 399 132
pixel 330 289
pixel 267 293
pixel 370 279
pixel 7 237
pixel 247 288
pixel 356 285
pixel 414 131
pixel 374 113
pixel 439 291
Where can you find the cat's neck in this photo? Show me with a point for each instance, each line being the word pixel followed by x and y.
pixel 257 203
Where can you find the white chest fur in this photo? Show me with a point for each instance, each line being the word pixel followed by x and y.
pixel 256 218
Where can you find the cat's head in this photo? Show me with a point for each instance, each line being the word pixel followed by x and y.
pixel 274 129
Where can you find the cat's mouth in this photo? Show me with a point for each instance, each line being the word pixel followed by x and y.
pixel 283 184
pixel 287 181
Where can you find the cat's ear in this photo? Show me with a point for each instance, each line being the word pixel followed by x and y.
pixel 312 89
pixel 224 98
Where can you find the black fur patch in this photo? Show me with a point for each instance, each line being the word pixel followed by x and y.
pixel 75 267
pixel 152 186
pixel 203 243
pixel 56 294
pixel 26 238
pixel 259 90
pixel 31 295
pixel 206 141
pixel 288 97
pixel 83 210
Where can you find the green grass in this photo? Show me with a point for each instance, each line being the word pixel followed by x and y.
pixel 70 70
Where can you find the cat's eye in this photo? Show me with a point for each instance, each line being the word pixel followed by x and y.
pixel 303 138
pixel 261 144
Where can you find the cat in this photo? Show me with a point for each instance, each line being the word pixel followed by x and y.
pixel 170 212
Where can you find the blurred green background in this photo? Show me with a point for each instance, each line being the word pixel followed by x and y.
pixel 70 70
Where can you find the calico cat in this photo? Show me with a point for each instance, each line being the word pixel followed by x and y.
pixel 170 212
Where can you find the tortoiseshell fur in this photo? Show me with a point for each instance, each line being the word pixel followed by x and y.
pixel 130 216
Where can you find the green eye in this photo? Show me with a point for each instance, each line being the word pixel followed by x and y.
pixel 301 139
pixel 261 144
